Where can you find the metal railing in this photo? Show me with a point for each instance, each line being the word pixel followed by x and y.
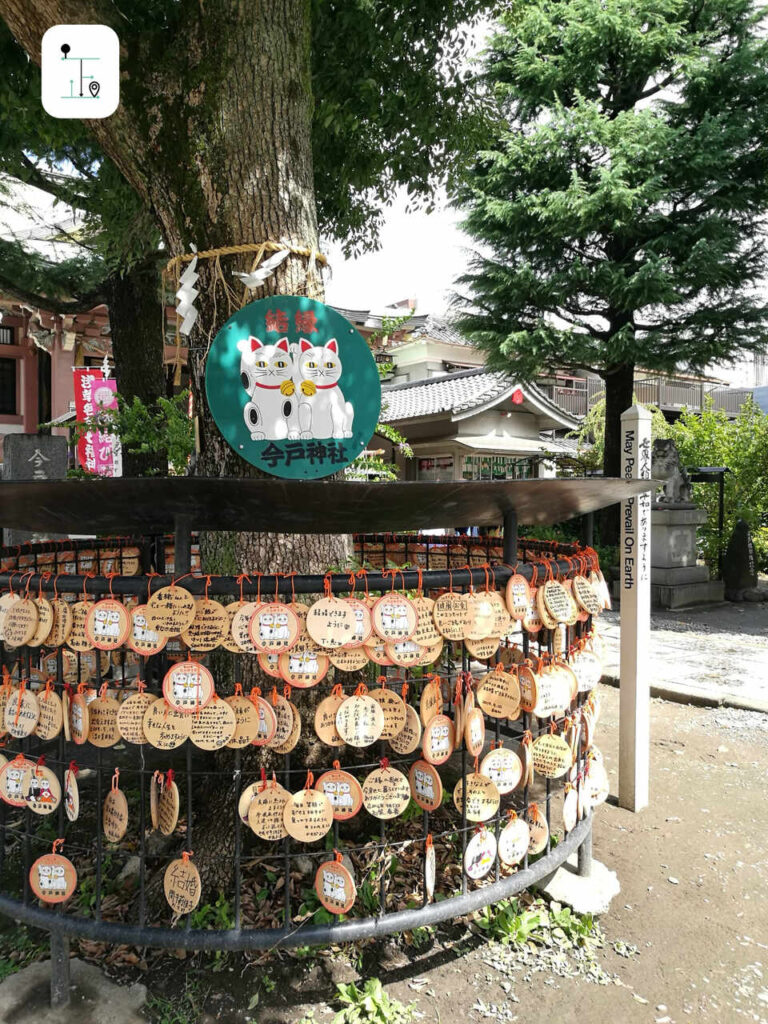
pixel 670 394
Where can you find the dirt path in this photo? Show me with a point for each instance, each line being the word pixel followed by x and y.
pixel 694 872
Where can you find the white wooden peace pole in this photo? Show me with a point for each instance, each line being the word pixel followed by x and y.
pixel 635 583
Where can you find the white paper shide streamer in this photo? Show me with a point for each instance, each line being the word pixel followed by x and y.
pixel 185 298
pixel 265 270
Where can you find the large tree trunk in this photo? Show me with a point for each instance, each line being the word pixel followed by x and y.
pixel 135 317
pixel 619 391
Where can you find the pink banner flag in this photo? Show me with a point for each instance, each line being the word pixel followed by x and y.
pixel 98 452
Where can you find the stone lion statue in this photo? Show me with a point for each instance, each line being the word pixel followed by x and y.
pixel 666 466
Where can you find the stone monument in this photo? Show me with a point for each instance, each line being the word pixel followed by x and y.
pixel 676 578
pixel 740 569
pixel 32 457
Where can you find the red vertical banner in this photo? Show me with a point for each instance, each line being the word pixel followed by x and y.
pixel 98 452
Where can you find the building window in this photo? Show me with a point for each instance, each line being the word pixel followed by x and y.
pixel 496 467
pixel 8 387
pixel 7 336
pixel 438 469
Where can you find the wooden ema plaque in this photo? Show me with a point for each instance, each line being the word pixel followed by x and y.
pixel 308 815
pixel 20 622
pixel 168 805
pixel 409 737
pixel 182 886
pixel 209 628
pixel 213 726
pixel 575 614
pixel 274 628
pixel 141 639
pixel 504 768
pixel 480 854
pixel 514 840
pixel 246 722
pixel 528 682
pixel 229 643
pixel 360 719
pixel 103 730
pixel 484 649
pixel 498 694
pixel 518 596
pixel 386 792
pixel 404 653
pixel 170 610
pixel 538 830
pixel 570 808
pixel 482 797
pixel 586 596
pixel 107 625
pixel 452 615
pixel 348 659
pixel 44 622
pixel 71 793
pixel 438 740
pixel 344 792
pixel 587 669
pixel 165 727
pixel 335 886
pixel 270 665
pixel 429 655
pixel 6 602
pixel 376 651
pixel 115 816
pixel 426 785
pixel 596 783
pixel 502 620
pixel 293 737
pixel 393 708
pixel 266 809
pixel 267 726
pixel 553 694
pixel 283 719
pixel 548 620
pixel 240 623
pixel 426 633
pixel 331 622
pixel 51 719
pixel 22 711
pixel 53 877
pixel 325 718
pixel 188 686
pixel 62 623
pixel 552 756
pixel 130 717
pixel 363 622
pixel 431 702
pixel 394 617
pixel 11 778
pixel 481 615
pixel 430 869
pixel 304 665
pixel 474 732
pixel 532 622
pixel 41 790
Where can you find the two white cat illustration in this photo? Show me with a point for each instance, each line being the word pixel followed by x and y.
pixel 293 390
pixel 51 878
pixel 273 626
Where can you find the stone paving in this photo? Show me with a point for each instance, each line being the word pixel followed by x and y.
pixel 717 654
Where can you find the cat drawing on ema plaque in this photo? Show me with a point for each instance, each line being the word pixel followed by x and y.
pixel 323 411
pixel 266 373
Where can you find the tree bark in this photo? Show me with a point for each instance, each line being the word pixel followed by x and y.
pixel 619 394
pixel 135 318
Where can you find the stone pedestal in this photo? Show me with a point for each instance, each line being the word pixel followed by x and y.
pixel 676 579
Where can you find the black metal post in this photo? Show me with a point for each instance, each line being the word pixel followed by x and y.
pixel 60 980
pixel 585 853
pixel 510 537
pixel 720 523
pixel 182 549
pixel 588 530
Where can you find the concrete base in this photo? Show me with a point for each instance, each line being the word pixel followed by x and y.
pixel 590 895
pixel 687 594
pixel 683 575
pixel 25 998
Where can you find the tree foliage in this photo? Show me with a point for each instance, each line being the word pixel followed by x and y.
pixel 741 444
pixel 619 206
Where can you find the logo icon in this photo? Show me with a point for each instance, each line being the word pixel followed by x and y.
pixel 80 71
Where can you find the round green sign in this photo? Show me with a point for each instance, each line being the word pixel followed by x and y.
pixel 293 387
